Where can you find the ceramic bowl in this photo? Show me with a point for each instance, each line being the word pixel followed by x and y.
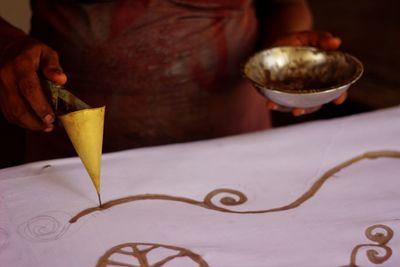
pixel 302 76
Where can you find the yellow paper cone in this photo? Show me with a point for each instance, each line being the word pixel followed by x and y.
pixel 85 130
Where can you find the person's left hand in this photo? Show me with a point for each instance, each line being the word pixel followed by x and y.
pixel 323 40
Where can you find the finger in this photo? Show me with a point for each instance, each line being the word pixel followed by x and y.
pixel 17 111
pixel 28 121
pixel 331 43
pixel 51 67
pixel 288 40
pixel 298 112
pixel 324 40
pixel 29 86
pixel 307 38
pixel 273 106
pixel 310 38
pixel 340 99
pixel 12 105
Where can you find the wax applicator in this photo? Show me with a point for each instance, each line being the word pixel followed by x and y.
pixel 84 126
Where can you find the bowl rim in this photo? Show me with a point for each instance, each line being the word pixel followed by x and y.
pixel 351 80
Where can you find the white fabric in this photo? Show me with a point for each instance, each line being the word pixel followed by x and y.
pixel 272 168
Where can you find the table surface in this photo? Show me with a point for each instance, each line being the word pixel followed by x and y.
pixel 317 194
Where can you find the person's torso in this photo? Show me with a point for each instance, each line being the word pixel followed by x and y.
pixel 167 70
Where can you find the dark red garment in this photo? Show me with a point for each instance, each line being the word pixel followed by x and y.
pixel 167 70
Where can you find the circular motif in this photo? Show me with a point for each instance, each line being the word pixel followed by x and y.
pixel 45 227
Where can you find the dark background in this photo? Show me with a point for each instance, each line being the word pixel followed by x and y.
pixel 369 29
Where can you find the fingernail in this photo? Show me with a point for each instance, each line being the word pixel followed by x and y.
pixel 48 118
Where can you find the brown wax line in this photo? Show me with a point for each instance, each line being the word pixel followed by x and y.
pixel 141 255
pixel 127 199
pixel 229 201
pixel 381 239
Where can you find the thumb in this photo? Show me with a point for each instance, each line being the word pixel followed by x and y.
pixel 50 66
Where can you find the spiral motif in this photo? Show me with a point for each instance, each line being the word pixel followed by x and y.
pixel 238 198
pixel 46 227
pixel 373 253
pixel 375 257
pixel 378 237
pixel 382 239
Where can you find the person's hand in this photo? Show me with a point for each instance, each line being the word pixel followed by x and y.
pixel 323 40
pixel 22 99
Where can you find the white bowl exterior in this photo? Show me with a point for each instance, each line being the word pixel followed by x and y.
pixel 306 100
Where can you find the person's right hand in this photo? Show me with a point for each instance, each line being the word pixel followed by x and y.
pixel 22 99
